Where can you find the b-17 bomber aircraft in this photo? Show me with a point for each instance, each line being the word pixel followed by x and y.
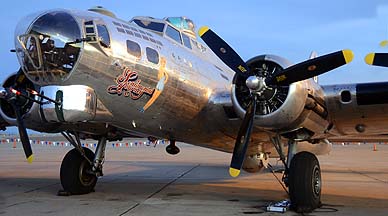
pixel 91 75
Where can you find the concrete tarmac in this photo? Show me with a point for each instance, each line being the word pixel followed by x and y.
pixel 144 180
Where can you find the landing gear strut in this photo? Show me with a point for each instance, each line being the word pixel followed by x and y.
pixel 302 177
pixel 80 167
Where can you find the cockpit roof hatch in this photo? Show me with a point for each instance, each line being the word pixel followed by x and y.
pixel 102 10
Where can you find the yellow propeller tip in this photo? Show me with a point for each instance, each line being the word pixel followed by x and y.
pixel 369 58
pixel 203 30
pixel 234 172
pixel 30 158
pixel 348 55
pixel 383 43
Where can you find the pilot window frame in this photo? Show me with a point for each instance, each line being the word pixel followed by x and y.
pixel 153 26
pixel 186 41
pixel 153 59
pixel 169 29
pixel 133 48
pixel 101 40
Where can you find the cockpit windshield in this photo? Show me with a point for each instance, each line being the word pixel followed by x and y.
pixel 187 25
pixel 49 49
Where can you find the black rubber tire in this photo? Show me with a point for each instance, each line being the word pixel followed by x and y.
pixel 172 150
pixel 305 182
pixel 74 178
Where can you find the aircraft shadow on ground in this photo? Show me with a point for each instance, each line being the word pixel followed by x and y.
pixel 168 181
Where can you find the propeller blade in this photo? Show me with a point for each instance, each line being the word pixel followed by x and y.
pixel 377 59
pixel 383 43
pixel 23 133
pixel 310 68
pixel 223 51
pixel 242 140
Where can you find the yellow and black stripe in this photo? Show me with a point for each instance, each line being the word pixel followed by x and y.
pixel 310 68
pixel 377 59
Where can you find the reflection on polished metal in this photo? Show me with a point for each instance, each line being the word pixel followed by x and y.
pixel 47 51
pixel 55 53
pixel 254 83
pixel 78 103
pixel 96 76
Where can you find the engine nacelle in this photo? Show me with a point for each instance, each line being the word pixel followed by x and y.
pixel 282 108
pixel 277 107
pixel 6 110
pixel 78 106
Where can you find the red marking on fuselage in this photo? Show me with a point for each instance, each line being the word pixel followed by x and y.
pixel 129 84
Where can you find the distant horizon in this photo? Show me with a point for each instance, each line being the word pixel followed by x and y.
pixel 13 130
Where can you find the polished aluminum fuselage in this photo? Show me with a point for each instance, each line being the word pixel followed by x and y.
pixel 193 101
pixel 190 107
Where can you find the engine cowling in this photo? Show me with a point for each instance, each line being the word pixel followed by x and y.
pixel 6 110
pixel 277 107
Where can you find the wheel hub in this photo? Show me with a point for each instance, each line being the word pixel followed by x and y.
pixel 316 181
pixel 85 177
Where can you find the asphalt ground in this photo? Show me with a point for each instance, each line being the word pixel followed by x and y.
pixel 145 180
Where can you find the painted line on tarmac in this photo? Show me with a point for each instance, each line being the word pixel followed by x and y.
pixel 368 176
pixel 161 189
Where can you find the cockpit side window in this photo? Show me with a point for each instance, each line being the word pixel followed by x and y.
pixel 103 35
pixel 154 26
pixel 173 34
pixel 186 41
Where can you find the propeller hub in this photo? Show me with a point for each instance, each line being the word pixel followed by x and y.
pixel 255 83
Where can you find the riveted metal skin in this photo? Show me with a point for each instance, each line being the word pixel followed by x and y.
pixel 181 93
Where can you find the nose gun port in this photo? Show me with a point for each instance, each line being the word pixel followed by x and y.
pixel 47 53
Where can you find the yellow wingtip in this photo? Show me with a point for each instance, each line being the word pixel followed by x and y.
pixel 369 58
pixel 203 30
pixel 30 158
pixel 348 55
pixel 234 172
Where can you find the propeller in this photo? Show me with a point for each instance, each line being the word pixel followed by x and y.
pixel 14 101
pixel 242 139
pixel 377 59
pixel 23 132
pixel 257 85
pixel 17 96
pixel 223 51
pixel 12 96
pixel 310 68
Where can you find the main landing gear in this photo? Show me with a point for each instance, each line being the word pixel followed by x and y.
pixel 80 167
pixel 302 177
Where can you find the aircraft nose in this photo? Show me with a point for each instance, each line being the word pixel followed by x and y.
pixel 50 49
